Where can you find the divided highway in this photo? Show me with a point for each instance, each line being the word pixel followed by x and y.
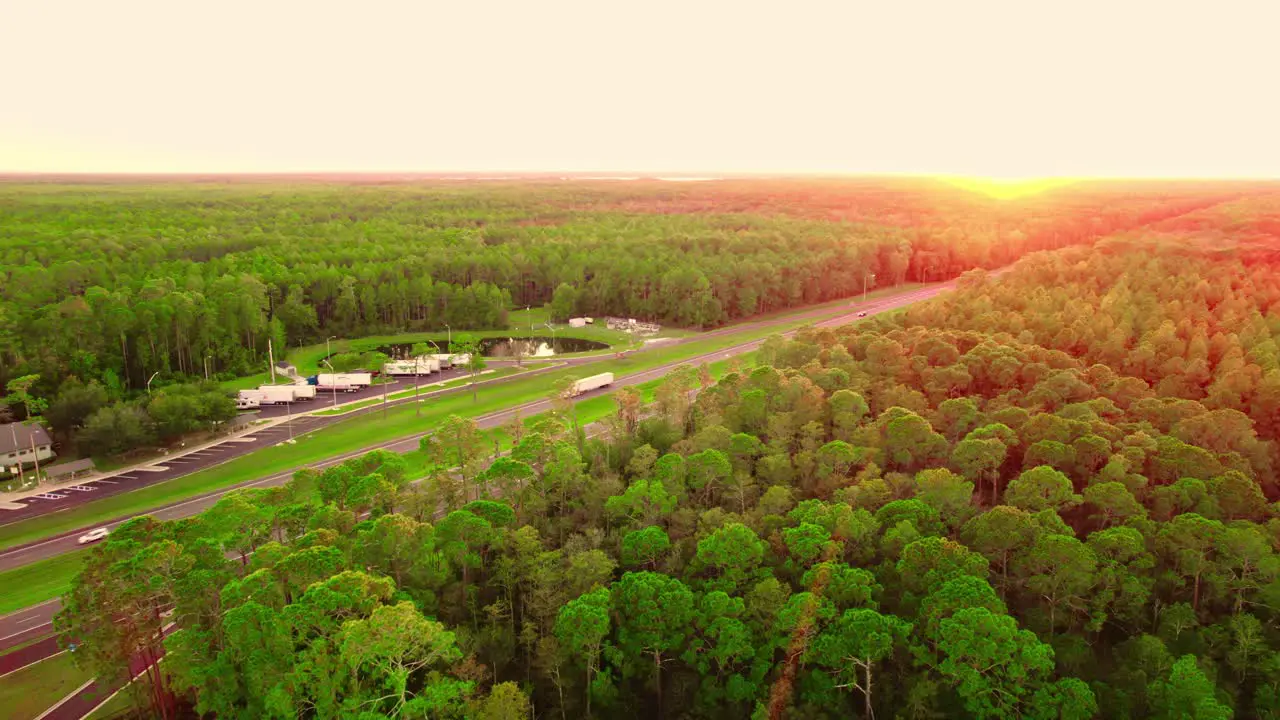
pixel 33 621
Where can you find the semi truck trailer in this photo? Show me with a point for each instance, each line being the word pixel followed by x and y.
pixel 422 366
pixel 347 382
pixel 588 384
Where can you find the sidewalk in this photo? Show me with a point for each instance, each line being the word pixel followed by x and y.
pixel 9 500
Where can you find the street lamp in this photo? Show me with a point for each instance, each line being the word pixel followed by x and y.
pixel 334 382
pixel 327 353
pixel 153 377
pixel 206 366
pixel 553 336
pixel 288 407
pixel 450 331
pixel 864 285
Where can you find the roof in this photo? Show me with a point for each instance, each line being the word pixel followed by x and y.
pixel 69 468
pixel 19 435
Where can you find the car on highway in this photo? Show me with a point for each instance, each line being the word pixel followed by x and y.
pixel 92 536
pixel 862 314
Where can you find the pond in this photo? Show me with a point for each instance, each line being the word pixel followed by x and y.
pixel 500 347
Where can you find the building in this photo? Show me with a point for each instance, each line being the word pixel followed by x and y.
pixel 16 441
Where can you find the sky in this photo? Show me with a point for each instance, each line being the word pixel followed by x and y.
pixel 1123 88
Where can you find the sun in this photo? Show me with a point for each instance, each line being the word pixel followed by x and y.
pixel 1006 188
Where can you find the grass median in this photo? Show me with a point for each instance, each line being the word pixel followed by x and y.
pixel 371 429
pixel 31 584
pixel 27 693
pixel 47 579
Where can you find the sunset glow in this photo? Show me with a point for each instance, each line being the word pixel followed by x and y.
pixel 999 89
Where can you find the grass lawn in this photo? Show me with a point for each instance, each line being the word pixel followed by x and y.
pixel 356 433
pixel 27 693
pixel 57 573
pixel 118 704
pixel 307 358
pixel 400 395
pixel 31 584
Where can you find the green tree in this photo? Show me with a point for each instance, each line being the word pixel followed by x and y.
pixel 1186 693
pixel 582 627
pixel 856 642
pixel 994 666
pixel 1041 488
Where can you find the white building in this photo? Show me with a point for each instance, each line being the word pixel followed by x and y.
pixel 17 440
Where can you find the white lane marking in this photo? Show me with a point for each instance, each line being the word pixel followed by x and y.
pixel 63 701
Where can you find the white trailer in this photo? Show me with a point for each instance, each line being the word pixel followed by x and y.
pixel 303 391
pixel 247 403
pixel 327 381
pixel 421 366
pixel 277 394
pixel 446 361
pixel 588 384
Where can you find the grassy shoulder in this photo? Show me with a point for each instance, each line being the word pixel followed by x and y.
pixel 404 394
pixel 57 573
pixel 31 584
pixel 405 420
pixel 27 693
pixel 120 703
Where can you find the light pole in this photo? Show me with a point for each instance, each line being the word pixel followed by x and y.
pixel 528 311
pixel 450 331
pixel 206 366
pixel 153 377
pixel 327 353
pixel 864 285
pixel 553 336
pixel 334 382
pixel 288 407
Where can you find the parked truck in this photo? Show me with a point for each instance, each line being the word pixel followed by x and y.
pixel 276 394
pixel 303 391
pixel 347 382
pixel 446 361
pixel 588 384
pixel 248 403
pixel 421 366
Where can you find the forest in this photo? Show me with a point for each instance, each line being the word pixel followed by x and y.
pixel 112 282
pixel 1049 494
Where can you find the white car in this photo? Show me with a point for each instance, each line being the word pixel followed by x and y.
pixel 862 314
pixel 92 536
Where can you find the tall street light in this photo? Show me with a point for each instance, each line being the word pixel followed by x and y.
pixel 864 285
pixel 333 383
pixel 153 377
pixel 450 331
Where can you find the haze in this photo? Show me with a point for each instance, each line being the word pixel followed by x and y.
pixel 983 89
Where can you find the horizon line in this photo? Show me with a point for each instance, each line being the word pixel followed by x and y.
pixel 618 175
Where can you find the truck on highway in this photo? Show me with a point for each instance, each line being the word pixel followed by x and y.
pixel 588 384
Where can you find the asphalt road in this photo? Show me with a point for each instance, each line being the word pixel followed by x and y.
pixel 35 621
pixel 57 545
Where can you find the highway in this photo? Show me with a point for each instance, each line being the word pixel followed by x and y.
pixel 21 623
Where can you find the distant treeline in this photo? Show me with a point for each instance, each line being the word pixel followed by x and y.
pixel 112 283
